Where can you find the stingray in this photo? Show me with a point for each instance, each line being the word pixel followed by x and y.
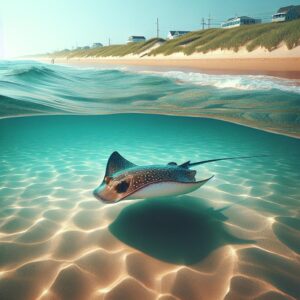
pixel 124 180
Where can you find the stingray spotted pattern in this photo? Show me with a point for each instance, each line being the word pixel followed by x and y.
pixel 124 180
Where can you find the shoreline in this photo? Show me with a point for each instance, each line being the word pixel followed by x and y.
pixel 285 67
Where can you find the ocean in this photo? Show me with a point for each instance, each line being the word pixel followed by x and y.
pixel 264 102
pixel 235 238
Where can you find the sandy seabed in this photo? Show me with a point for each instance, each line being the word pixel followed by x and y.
pixel 235 238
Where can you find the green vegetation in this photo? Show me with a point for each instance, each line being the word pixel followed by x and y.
pixel 269 36
pixel 114 50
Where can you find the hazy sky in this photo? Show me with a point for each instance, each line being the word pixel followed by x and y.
pixel 39 26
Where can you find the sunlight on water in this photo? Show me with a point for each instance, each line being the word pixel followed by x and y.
pixel 236 236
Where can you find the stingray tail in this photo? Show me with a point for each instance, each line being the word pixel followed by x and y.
pixel 188 164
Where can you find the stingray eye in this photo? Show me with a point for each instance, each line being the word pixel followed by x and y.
pixel 122 187
pixel 107 179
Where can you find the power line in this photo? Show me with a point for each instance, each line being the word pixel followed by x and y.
pixel 208 21
pixel 203 23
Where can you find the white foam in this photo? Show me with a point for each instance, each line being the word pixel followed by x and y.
pixel 240 82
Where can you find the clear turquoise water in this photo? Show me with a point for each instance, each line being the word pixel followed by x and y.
pixel 53 233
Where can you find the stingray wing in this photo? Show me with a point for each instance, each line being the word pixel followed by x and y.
pixel 117 162
pixel 164 189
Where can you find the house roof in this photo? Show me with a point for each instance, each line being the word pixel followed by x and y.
pixel 173 32
pixel 137 37
pixel 287 8
pixel 241 17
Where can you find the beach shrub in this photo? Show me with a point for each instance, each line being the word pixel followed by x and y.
pixel 269 36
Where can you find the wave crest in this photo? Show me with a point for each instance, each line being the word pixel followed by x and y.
pixel 239 82
pixel 258 101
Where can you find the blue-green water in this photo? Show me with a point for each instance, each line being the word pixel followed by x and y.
pixel 264 102
pixel 235 238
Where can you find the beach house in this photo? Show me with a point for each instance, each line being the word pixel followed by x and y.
pixel 239 21
pixel 136 39
pixel 175 34
pixel 287 13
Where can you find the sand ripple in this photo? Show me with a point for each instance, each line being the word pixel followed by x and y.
pixel 58 242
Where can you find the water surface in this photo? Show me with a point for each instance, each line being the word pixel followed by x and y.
pixel 264 102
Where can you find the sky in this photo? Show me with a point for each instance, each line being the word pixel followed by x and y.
pixel 41 26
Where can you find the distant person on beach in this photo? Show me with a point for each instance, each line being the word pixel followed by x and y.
pixel 52 61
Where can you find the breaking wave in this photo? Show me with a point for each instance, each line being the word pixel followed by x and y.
pixel 264 102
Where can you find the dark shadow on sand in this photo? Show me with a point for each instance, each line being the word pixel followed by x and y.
pixel 179 230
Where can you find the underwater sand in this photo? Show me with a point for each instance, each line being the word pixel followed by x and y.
pixel 235 238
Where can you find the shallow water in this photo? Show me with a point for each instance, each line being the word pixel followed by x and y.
pixel 235 238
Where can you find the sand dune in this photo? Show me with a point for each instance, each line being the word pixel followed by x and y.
pixel 280 62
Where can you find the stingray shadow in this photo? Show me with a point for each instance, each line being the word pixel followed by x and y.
pixel 180 230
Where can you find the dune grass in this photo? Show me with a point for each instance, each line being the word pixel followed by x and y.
pixel 113 50
pixel 269 36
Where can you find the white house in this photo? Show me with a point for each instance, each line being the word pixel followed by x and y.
pixel 287 13
pixel 175 34
pixel 136 39
pixel 239 21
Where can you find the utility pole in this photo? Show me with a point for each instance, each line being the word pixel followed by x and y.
pixel 203 23
pixel 208 21
pixel 157 28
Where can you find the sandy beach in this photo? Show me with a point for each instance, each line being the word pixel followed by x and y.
pixel 280 62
